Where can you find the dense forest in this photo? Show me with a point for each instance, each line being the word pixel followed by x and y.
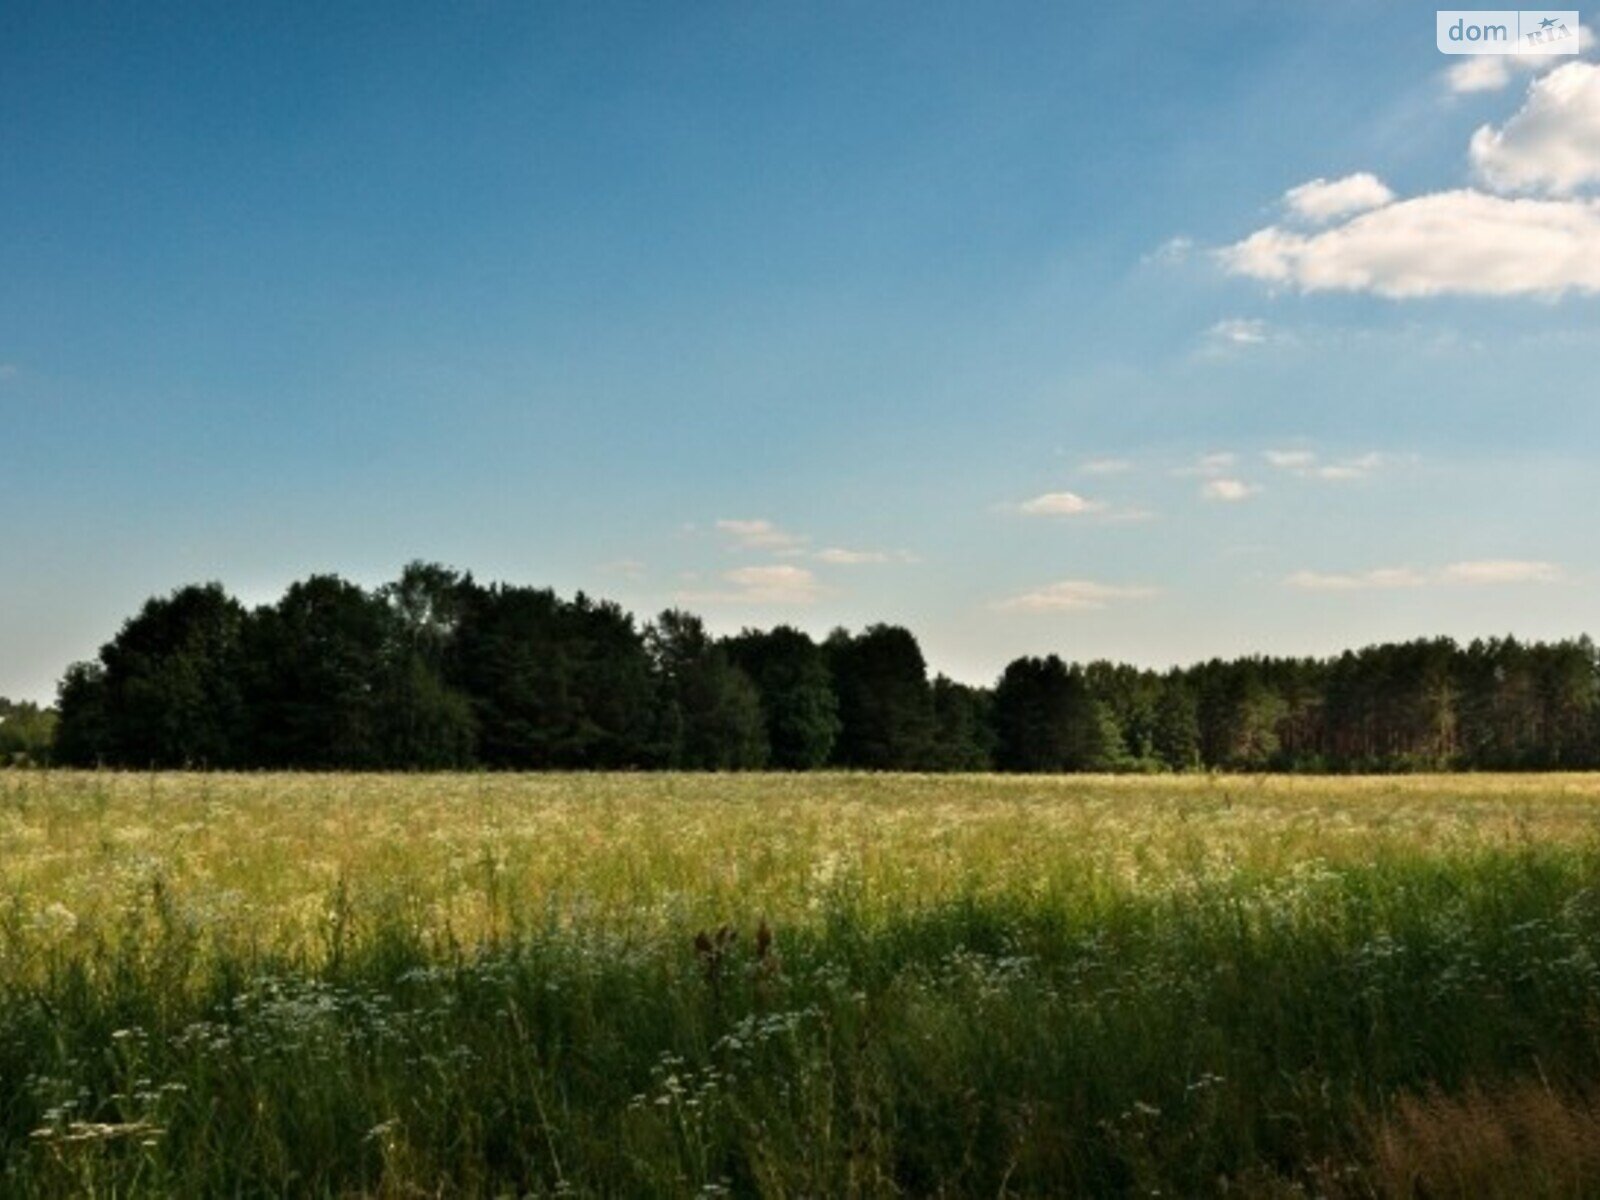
pixel 437 670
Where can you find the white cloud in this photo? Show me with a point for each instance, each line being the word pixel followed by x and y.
pixel 1552 143
pixel 1060 504
pixel 1324 199
pixel 1480 73
pixel 1105 466
pixel 1228 490
pixel 1491 72
pixel 775 584
pixel 1461 242
pixel 839 556
pixel 1503 570
pixel 1128 516
pixel 1306 465
pixel 1173 251
pixel 1239 331
pixel 759 535
pixel 1476 573
pixel 1464 241
pixel 1351 468
pixel 1290 460
pixel 1380 578
pixel 1210 465
pixel 627 568
pixel 1073 595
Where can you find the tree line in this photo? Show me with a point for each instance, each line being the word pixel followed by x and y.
pixel 436 670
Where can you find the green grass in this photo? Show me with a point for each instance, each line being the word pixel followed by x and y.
pixel 466 985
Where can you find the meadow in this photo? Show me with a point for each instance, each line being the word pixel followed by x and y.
pixel 798 985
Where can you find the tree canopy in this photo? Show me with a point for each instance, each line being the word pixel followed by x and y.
pixel 436 670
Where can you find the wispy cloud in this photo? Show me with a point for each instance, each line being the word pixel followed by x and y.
pixel 1290 460
pixel 1208 466
pixel 1073 595
pixel 1377 579
pixel 1477 573
pixel 842 557
pixel 624 568
pixel 1307 465
pixel 1173 251
pixel 777 584
pixel 1105 466
pixel 1232 336
pixel 1503 570
pixel 759 534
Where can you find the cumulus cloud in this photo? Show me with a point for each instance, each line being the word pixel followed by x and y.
pixel 759 535
pixel 1230 491
pixel 1481 73
pixel 775 584
pixel 1552 143
pixel 1060 504
pixel 1466 241
pixel 1462 242
pixel 1492 72
pixel 1485 572
pixel 1073 505
pixel 1324 199
pixel 1073 595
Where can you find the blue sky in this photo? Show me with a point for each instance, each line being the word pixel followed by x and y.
pixel 990 320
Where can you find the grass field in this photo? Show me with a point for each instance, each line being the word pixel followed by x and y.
pixel 798 985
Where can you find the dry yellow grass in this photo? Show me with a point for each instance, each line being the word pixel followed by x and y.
pixel 258 859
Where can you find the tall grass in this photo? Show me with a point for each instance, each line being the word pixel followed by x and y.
pixel 499 985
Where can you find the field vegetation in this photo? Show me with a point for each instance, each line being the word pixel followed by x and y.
pixel 820 984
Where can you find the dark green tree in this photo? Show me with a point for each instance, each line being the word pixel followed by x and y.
pixel 426 721
pixel 963 727
pixel 83 730
pixel 165 692
pixel 318 672
pixel 1175 735
pixel 555 684
pixel 1047 720
pixel 885 704
pixel 709 711
pixel 797 700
